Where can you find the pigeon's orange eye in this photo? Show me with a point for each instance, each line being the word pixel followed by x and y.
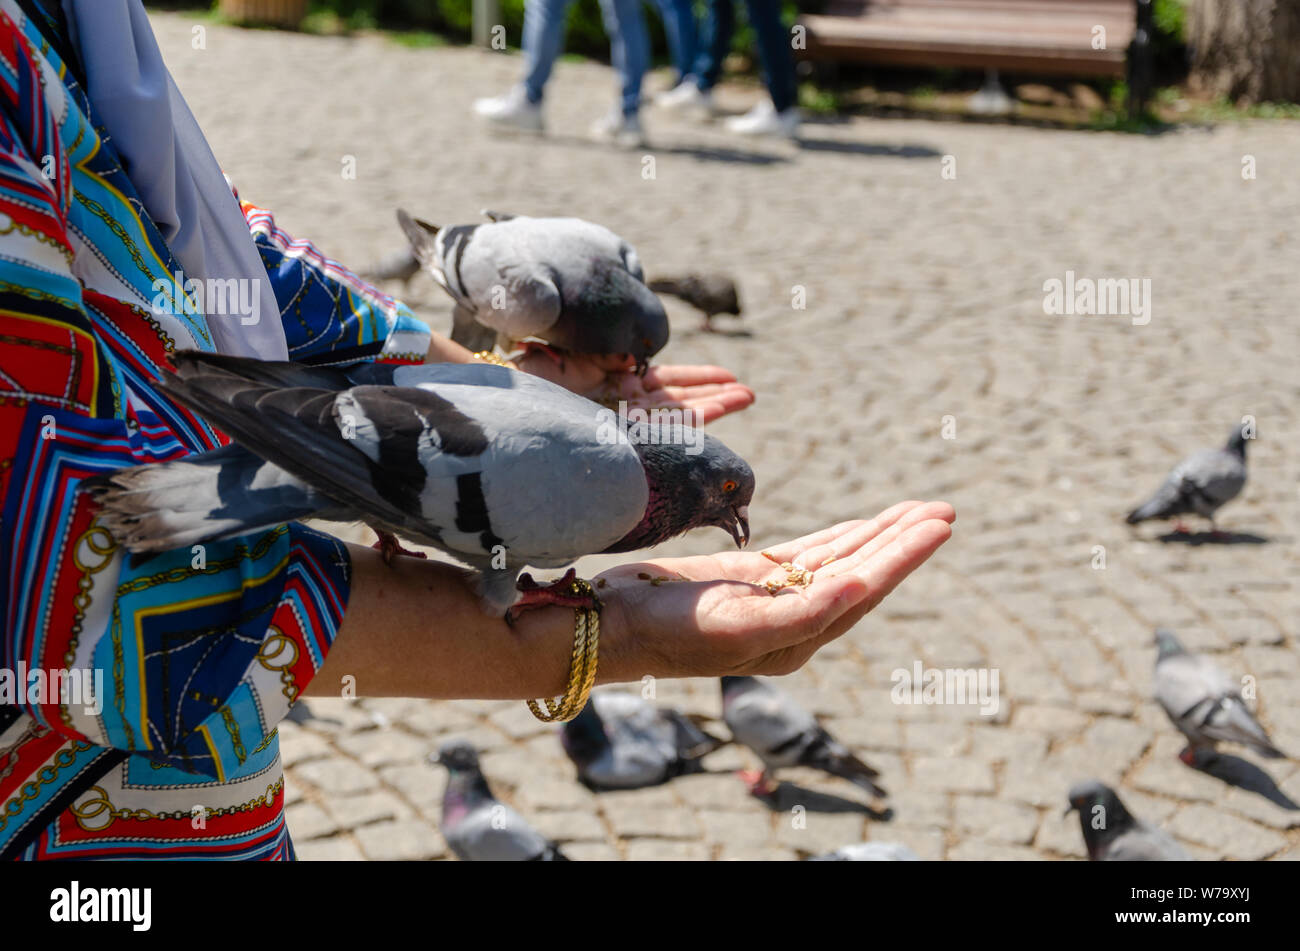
pixel 729 485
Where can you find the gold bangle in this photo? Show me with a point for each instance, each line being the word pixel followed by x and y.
pixel 582 667
pixel 487 356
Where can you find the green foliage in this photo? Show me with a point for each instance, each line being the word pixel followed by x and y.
pixel 1170 18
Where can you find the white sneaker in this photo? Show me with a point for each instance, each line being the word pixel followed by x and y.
pixel 512 111
pixel 763 119
pixel 619 129
pixel 686 96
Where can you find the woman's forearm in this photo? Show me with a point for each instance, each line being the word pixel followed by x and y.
pixel 443 350
pixel 415 629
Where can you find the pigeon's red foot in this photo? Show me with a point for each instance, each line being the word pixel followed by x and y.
pixel 1180 528
pixel 757 782
pixel 391 547
pixel 529 346
pixel 1188 756
pixel 569 592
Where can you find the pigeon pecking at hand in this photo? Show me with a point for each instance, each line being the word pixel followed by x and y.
pixel 783 734
pixel 1113 834
pixel 1204 703
pixel 620 741
pixel 477 826
pixel 1200 484
pixel 495 467
pixel 710 294
pixel 565 284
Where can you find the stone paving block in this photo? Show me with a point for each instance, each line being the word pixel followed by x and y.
pixel 568 825
pixel 354 811
pixel 383 747
pixel 952 775
pixel 400 840
pixel 994 820
pixel 308 821
pixel 418 784
pixel 666 850
pixel 337 849
pixel 630 821
pixel 591 852
pixel 298 745
pixel 337 775
pixel 1224 833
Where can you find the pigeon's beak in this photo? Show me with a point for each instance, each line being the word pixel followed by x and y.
pixel 739 528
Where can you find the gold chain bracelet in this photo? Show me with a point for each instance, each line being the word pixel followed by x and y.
pixel 582 667
pixel 487 356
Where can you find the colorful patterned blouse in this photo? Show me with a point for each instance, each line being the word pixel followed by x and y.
pixel 199 656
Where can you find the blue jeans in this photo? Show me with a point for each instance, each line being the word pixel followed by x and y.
pixel 682 34
pixel 773 48
pixel 629 45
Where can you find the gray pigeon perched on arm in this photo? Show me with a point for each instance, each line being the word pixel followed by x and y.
pixel 495 467
pixel 1112 834
pixel 1204 702
pixel 710 294
pixel 783 734
pixel 572 285
pixel 620 741
pixel 477 826
pixel 1200 484
pixel 869 852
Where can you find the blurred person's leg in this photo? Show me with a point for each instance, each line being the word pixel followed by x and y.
pixel 719 23
pixel 543 41
pixel 781 115
pixel 629 47
pixel 682 34
pixel 712 42
pixel 544 23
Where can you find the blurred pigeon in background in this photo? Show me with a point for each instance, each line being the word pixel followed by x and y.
pixel 620 741
pixel 1199 485
pixel 710 294
pixel 400 266
pixel 477 826
pixel 572 285
pixel 782 733
pixel 495 467
pixel 869 852
pixel 1112 834
pixel 1204 702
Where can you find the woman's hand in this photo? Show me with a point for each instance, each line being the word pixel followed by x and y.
pixel 710 392
pixel 714 617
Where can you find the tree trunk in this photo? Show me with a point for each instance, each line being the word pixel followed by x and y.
pixel 1246 50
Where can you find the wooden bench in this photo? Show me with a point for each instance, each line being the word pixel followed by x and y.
pixel 1028 36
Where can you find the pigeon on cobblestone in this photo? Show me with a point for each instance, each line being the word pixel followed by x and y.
pixel 572 285
pixel 1200 484
pixel 1204 702
pixel 783 734
pixel 495 467
pixel 869 852
pixel 1111 832
pixel 620 741
pixel 477 826
pixel 710 294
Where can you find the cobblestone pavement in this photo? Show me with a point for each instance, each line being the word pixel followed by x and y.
pixel 924 300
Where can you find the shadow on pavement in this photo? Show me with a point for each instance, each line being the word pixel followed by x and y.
pixel 1243 774
pixel 1211 538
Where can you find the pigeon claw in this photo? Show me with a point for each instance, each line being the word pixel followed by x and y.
pixel 391 548
pixel 757 782
pixel 569 592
